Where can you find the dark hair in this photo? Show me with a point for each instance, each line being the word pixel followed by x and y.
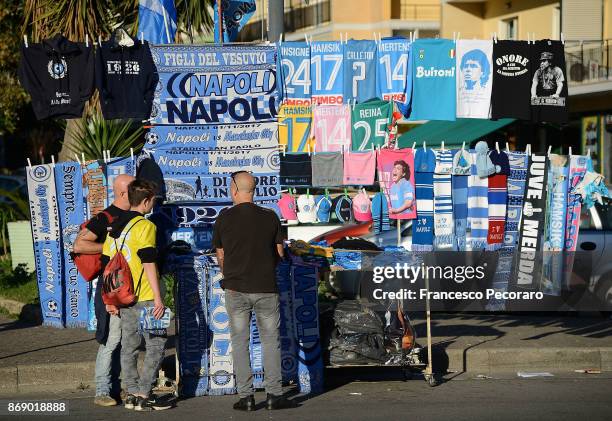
pixel 405 166
pixel 139 190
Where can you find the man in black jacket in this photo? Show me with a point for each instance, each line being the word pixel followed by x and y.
pixel 108 331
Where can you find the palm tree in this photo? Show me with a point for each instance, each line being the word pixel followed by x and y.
pixel 77 18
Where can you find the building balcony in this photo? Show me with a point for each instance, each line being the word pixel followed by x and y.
pixel 407 10
pixel 588 66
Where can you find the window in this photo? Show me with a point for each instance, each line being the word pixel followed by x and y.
pixel 509 28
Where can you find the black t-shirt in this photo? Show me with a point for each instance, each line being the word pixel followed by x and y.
pixel 100 224
pixel 248 235
pixel 548 82
pixel 511 80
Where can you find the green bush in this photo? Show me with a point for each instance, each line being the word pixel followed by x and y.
pixel 17 284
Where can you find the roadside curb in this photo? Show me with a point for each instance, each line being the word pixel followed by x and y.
pixel 37 378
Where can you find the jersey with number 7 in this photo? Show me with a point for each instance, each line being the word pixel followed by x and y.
pixel 370 124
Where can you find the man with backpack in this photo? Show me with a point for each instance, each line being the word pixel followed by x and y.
pixel 108 331
pixel 135 238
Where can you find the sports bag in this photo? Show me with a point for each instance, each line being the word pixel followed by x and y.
pixel 117 282
pixel 90 265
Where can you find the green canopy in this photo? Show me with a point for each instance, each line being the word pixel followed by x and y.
pixel 451 132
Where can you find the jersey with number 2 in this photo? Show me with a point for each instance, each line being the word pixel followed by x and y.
pixel 371 122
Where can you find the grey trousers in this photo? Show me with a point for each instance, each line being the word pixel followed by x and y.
pixel 266 308
pixel 130 341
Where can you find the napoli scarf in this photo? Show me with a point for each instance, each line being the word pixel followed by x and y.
pixel 554 231
pixel 222 380
pixel 422 230
pixel 478 208
pixel 577 170
pixel 255 352
pixel 192 323
pixel 304 278
pixel 460 210
pixel 516 191
pixel 47 246
pixel 286 333
pixel 443 203
pixel 68 183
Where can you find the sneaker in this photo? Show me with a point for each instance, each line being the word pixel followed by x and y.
pixel 279 402
pixel 104 400
pixel 130 401
pixel 245 404
pixel 152 403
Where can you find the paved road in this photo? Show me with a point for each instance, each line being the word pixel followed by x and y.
pixel 491 399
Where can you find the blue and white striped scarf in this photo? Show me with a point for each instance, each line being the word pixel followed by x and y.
pixel 422 228
pixel 516 192
pixel 478 208
pixel 443 202
pixel 460 209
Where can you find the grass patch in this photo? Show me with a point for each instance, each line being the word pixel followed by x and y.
pixel 18 284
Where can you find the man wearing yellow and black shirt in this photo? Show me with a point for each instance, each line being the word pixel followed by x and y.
pixel 135 237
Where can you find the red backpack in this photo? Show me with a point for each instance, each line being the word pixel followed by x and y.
pixel 90 265
pixel 117 283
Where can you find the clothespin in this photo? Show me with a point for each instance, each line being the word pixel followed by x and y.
pixel 354 102
pixel 346 37
pixel 562 39
pixel 463 146
pixel 570 151
pixel 100 40
pixel 28 159
pixel 77 159
pixel 25 42
pixel 342 149
pixel 308 193
pixel 308 147
pixel 132 153
pixel 589 152
pixel 442 146
pixel 340 38
pixel 86 40
pixel 413 145
pixel 345 192
pixel 497 146
pixel 495 37
pixel 327 192
pixel 528 149
pixel 53 161
pixel 142 37
pixel 375 38
pixel 379 37
pixel 424 146
pixel 548 152
pixel 83 157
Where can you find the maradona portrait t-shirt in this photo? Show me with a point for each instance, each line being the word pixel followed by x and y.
pixel 474 81
pixel 548 82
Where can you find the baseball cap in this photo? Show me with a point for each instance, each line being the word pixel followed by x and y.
pixel 362 207
pixel 343 208
pixel 287 207
pixel 323 208
pixel 462 162
pixel 307 213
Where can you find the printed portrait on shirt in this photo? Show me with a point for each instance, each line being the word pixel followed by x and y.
pixel 396 176
pixel 547 82
pixel 475 75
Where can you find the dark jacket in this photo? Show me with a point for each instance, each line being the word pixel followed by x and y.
pixel 59 76
pixel 126 78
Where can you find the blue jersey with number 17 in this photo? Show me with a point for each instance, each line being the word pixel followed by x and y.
pixel 294 72
pixel 326 60
pixel 394 81
pixel 360 70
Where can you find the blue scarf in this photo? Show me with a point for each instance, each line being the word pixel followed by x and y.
pixel 423 228
pixel 286 332
pixel 68 182
pixel 460 210
pixel 47 243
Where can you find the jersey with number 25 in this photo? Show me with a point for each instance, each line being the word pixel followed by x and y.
pixel 371 122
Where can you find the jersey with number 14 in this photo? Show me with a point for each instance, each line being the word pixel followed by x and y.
pixel 326 70
pixel 360 70
pixel 393 77
pixel 332 128
pixel 371 122
pixel 294 127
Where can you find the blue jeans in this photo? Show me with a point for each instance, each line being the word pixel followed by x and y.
pixel 104 360
pixel 266 307
pixel 130 341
